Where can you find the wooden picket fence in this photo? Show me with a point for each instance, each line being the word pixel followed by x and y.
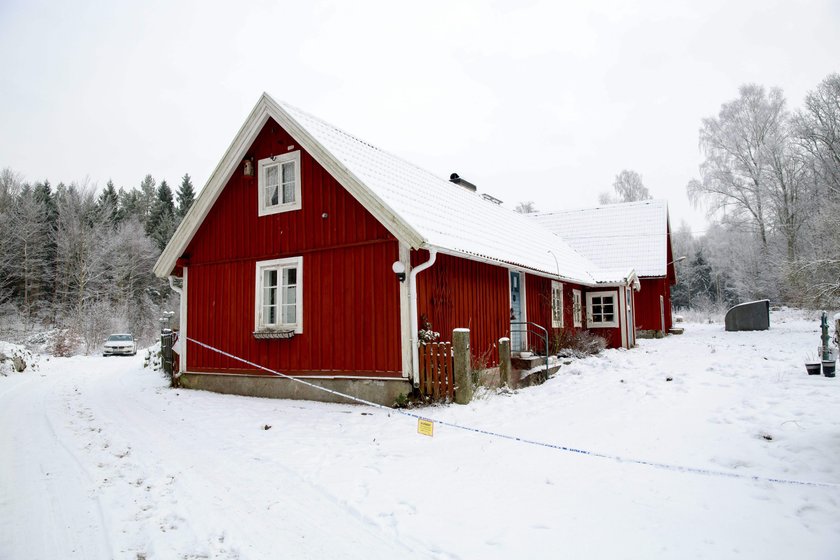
pixel 437 377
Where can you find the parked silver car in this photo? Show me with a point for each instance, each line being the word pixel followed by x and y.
pixel 120 344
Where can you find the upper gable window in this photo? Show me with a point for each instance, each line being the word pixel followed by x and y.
pixel 279 183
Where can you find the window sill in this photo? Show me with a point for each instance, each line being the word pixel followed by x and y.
pixel 274 334
pixel 279 209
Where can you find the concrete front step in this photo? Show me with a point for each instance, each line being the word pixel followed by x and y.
pixel 531 371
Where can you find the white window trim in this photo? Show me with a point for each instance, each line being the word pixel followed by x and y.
pixel 603 324
pixel 263 209
pixel 577 309
pixel 556 288
pixel 296 262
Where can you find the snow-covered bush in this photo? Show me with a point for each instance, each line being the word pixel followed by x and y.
pixel 15 359
pixel 570 343
pixel 425 334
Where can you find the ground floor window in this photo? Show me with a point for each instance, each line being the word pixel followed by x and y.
pixel 577 309
pixel 556 305
pixel 279 295
pixel 601 309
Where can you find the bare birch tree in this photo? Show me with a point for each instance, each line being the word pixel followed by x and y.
pixel 733 175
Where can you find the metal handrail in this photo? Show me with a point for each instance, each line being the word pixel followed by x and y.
pixel 542 333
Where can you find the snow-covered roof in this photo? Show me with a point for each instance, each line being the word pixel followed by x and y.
pixel 418 207
pixel 626 235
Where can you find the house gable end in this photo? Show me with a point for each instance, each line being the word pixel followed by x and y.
pixel 265 109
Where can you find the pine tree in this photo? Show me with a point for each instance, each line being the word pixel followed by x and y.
pixel 161 223
pixel 186 196
pixel 146 197
pixel 108 204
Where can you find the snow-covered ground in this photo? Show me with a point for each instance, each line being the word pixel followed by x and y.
pixel 100 459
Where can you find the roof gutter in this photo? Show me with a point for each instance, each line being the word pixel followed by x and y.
pixel 412 314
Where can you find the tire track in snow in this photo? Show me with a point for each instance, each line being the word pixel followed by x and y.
pixel 47 508
pixel 309 521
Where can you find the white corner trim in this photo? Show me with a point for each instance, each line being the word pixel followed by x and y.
pixel 405 314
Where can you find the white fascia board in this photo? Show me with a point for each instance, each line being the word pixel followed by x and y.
pixel 626 281
pixel 372 203
pixel 212 189
pixel 509 266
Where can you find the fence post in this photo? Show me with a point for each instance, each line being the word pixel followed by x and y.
pixel 504 362
pixel 461 357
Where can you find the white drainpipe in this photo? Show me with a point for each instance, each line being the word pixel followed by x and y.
pixel 180 293
pixel 175 288
pixel 412 313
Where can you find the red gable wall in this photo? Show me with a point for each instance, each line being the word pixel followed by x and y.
pixel 350 295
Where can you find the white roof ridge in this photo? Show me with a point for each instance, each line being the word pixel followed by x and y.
pixel 287 105
pixel 418 207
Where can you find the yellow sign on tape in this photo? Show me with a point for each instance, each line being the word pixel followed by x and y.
pixel 425 427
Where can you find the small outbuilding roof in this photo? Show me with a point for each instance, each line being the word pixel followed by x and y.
pixel 625 235
pixel 418 207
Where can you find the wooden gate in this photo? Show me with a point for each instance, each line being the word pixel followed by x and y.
pixel 437 378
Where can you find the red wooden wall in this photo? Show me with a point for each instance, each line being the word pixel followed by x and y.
pixel 612 334
pixel 459 293
pixel 538 304
pixel 647 304
pixel 350 295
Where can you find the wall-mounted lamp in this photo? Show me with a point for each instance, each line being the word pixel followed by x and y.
pixel 399 269
pixel 678 259
pixel 248 167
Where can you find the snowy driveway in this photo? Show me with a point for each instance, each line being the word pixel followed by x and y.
pixel 101 460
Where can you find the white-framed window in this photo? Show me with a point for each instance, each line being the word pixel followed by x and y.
pixel 601 309
pixel 556 305
pixel 577 309
pixel 278 302
pixel 279 183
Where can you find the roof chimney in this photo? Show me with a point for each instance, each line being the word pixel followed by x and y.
pixel 462 182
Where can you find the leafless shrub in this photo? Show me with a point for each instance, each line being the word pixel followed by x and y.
pixel 571 343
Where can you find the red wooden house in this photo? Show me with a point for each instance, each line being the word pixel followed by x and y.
pixel 634 235
pixel 313 253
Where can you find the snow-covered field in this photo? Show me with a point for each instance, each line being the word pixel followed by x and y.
pixel 101 460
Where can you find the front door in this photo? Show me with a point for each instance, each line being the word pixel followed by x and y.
pixel 517 338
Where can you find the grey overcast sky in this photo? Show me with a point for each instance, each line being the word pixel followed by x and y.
pixel 542 101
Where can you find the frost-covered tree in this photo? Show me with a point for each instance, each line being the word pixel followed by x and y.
pixel 526 207
pixel 31 243
pixel 82 256
pixel 145 199
pixel 735 170
pixel 629 187
pixel 818 128
pixel 10 185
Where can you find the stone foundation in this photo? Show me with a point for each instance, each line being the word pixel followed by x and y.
pixel 383 392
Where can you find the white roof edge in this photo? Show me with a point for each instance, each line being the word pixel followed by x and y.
pixel 365 196
pixel 211 190
pixel 623 280
pixel 266 107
